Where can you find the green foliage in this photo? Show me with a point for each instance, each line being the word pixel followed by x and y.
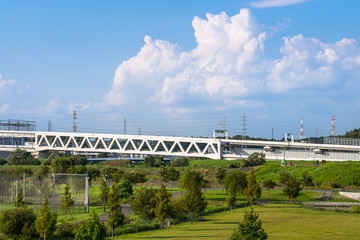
pixel 292 188
pixel 144 202
pixel 65 164
pixel 46 221
pixel 117 163
pixel 19 202
pixel 22 157
pixel 66 200
pixel 220 175
pixel 92 229
pixel 104 192
pixel 269 184
pixel 124 188
pixel 3 162
pixel 306 179
pixel 284 177
pixel 255 159
pixel 52 156
pixel 193 201
pixel 162 210
pixel 238 178
pixel 250 228
pixel 103 155
pixel 154 161
pixel 111 172
pixel 180 162
pixel 231 199
pixel 252 190
pixel 169 174
pixel 353 134
pixel 78 169
pixel 18 223
pixel 115 216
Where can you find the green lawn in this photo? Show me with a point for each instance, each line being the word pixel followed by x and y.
pixel 279 221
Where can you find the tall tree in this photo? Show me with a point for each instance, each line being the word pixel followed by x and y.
pixel 253 189
pixel 238 179
pixel 115 216
pixel 125 189
pixel 292 188
pixel 46 221
pixel 269 184
pixel 19 202
pixel 220 175
pixel 194 200
pixel 144 202
pixel 104 191
pixel 162 210
pixel 250 228
pixel 231 196
pixel 67 201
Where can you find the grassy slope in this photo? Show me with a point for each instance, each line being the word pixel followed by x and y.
pixel 279 221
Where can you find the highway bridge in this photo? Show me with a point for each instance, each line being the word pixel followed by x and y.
pixel 40 143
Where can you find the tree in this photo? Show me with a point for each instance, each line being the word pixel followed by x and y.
pixel 353 133
pixel 169 174
pixel 180 162
pixel 238 178
pixel 20 157
pixel 115 216
pixel 124 189
pixel 144 202
pixel 66 200
pixel 46 221
pixel 269 184
pixel 231 200
pixel 18 223
pixel 104 191
pixel 103 155
pixel 153 161
pixel 92 229
pixel 255 159
pixel 19 202
pixel 61 164
pixel 220 175
pixel 250 228
pixel 306 179
pixel 284 177
pixel 193 201
pixel 253 189
pixel 292 188
pixel 162 210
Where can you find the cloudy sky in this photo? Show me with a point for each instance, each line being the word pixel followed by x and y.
pixel 181 67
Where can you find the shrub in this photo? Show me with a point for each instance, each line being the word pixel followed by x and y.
pixel 68 230
pixel 22 157
pixel 355 209
pixel 180 162
pixel 255 159
pixel 18 222
pixel 117 163
pixel 3 162
pixel 154 161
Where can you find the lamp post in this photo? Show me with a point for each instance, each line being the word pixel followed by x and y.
pixel 105 190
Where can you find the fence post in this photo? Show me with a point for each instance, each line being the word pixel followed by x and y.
pixel 87 192
pixel 24 186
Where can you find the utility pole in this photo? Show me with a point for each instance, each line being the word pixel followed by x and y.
pixel 74 123
pixel 124 125
pixel 49 126
pixel 272 134
pixel 139 130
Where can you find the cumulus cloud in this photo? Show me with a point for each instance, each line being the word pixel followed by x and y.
pixel 227 65
pixel 4 83
pixel 276 3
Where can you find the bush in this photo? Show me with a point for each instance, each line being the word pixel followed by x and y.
pixel 255 159
pixel 355 209
pixel 18 222
pixel 3 162
pixel 22 157
pixel 180 162
pixel 68 230
pixel 154 161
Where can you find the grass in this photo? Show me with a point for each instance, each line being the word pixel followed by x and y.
pixel 279 222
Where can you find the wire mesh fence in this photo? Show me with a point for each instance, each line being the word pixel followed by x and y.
pixel 35 189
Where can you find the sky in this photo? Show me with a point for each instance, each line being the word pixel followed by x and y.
pixel 182 67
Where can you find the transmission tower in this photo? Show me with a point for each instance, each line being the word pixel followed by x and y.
pixel 74 123
pixel 301 128
pixel 243 126
pixel 333 126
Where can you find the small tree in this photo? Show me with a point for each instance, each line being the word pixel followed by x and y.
pixel 162 210
pixel 292 188
pixel 253 189
pixel 124 189
pixel 19 202
pixel 46 221
pixel 306 179
pixel 231 196
pixel 284 177
pixel 180 162
pixel 20 157
pixel 238 178
pixel 104 191
pixel 144 202
pixel 67 201
pixel 250 228
pixel 18 223
pixel 220 175
pixel 269 184
pixel 115 216
pixel 91 229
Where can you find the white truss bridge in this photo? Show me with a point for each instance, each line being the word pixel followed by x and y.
pixel 142 145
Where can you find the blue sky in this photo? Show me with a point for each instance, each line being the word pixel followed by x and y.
pixel 180 67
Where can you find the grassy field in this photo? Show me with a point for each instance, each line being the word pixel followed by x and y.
pixel 279 221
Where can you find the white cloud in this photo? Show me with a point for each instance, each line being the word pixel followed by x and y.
pixel 227 65
pixel 4 83
pixel 276 3
pixel 52 106
pixel 4 108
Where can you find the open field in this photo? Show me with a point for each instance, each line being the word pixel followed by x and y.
pixel 279 221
